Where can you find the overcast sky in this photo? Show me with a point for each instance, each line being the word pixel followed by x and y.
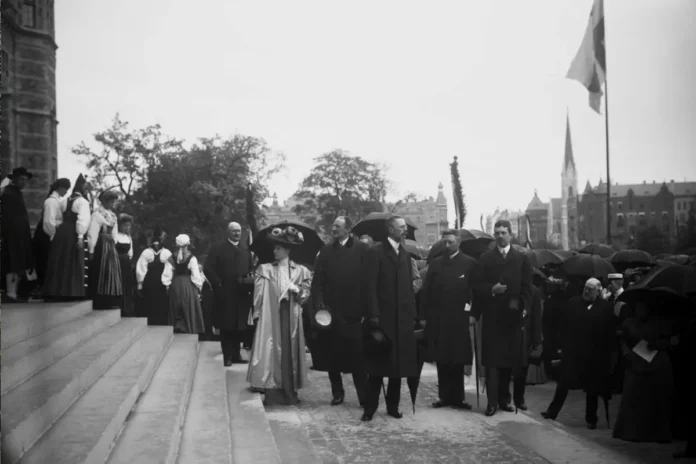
pixel 411 84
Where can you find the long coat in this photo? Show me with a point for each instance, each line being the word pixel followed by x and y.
pixel 443 298
pixel 502 340
pixel 391 299
pixel 225 267
pixel 17 249
pixel 340 282
pixel 533 323
pixel 587 344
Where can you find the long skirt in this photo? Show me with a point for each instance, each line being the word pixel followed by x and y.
pixel 105 287
pixel 155 302
pixel 184 306
pixel 65 270
pixel 42 249
pixel 128 285
pixel 645 412
pixel 536 374
pixel 287 394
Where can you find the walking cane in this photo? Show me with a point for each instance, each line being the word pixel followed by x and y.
pixel 476 364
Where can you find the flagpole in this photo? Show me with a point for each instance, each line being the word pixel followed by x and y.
pixel 606 131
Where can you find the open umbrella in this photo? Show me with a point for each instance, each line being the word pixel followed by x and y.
pixel 604 251
pixel 545 257
pixel 475 243
pixel 681 279
pixel 305 254
pixel 436 250
pixel 625 259
pixel 375 225
pixel 677 259
pixel 586 265
pixel 665 263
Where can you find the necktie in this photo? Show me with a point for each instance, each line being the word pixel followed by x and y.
pixel 612 300
pixel 504 254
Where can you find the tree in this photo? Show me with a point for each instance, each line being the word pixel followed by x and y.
pixel 652 240
pixel 125 157
pixel 340 184
pixel 198 191
pixel 459 204
pixel 686 236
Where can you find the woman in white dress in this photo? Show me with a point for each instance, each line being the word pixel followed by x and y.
pixel 105 286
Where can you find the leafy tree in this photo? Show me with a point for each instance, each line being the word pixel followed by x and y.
pixel 652 240
pixel 340 184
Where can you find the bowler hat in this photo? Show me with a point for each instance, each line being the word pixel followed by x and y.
pixel 21 171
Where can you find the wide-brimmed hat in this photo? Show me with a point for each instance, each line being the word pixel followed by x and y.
pixel 288 236
pixel 21 171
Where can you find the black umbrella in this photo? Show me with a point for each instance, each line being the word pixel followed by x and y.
pixel 587 265
pixel 475 243
pixel 554 257
pixel 677 259
pixel 438 249
pixel 375 225
pixel 604 251
pixel 304 254
pixel 625 259
pixel 681 279
pixel 663 300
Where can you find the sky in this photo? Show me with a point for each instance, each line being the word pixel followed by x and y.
pixel 405 83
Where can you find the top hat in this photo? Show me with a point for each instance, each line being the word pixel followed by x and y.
pixel 21 171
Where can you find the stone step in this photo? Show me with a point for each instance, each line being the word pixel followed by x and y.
pixel 24 359
pixel 206 434
pixel 291 436
pixel 153 431
pixel 23 321
pixel 87 431
pixel 33 406
pixel 252 436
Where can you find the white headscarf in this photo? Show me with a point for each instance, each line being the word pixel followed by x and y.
pixel 182 241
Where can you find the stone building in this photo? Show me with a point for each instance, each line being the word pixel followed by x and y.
pixel 276 213
pixel 28 121
pixel 518 223
pixel 429 216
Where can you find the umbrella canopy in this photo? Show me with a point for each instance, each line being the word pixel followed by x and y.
pixel 436 250
pixel 414 250
pixel 587 265
pixel 375 225
pixel 304 254
pixel 625 259
pixel 665 300
pixel 677 259
pixel 665 263
pixel 475 243
pixel 473 234
pixel 604 251
pixel 681 279
pixel 553 257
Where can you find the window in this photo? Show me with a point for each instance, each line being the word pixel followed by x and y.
pixel 620 220
pixel 620 205
pixel 641 219
pixel 665 216
pixel 29 14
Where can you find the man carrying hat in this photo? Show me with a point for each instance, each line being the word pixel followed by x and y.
pixel 17 253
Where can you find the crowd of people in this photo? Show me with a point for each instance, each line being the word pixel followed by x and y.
pixel 364 306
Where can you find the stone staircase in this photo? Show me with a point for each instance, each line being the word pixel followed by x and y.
pixel 83 386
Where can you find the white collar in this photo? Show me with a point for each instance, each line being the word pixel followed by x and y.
pixel 233 243
pixel 505 250
pixel 618 292
pixel 343 242
pixel 394 244
pixel 455 254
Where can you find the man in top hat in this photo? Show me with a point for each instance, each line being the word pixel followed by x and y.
pixel 340 285
pixel 17 252
pixel 391 307
pixel 614 290
pixel 228 267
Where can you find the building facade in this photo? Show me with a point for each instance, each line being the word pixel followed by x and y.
pixel 276 213
pixel 28 121
pixel 518 223
pixel 429 216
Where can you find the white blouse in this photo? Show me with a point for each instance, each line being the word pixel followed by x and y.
pixel 101 218
pixel 53 209
pixel 146 257
pixel 125 238
pixel 80 207
pixel 196 277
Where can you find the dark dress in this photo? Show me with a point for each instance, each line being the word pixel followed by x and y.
pixel 65 270
pixel 645 413
pixel 105 286
pixel 184 303
pixel 17 251
pixel 127 303
pixel 155 302
pixel 42 248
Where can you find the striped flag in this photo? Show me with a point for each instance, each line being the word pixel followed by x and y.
pixel 589 66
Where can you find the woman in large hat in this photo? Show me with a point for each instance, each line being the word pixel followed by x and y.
pixel 183 280
pixel 65 270
pixel 105 286
pixel 278 364
pixel 154 301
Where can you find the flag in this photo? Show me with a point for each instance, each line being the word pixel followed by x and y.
pixel 589 66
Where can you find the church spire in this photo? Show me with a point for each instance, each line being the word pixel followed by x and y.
pixel 569 160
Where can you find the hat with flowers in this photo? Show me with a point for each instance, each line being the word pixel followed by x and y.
pixel 286 235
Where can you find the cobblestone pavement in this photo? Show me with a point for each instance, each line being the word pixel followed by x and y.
pixel 315 432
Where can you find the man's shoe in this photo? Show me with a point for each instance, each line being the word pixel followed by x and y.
pixel 463 405
pixel 228 362
pixel 366 417
pixel 395 414
pixel 338 399
pixel 491 410
pixel 591 426
pixel 439 404
pixel 549 415
pixel 506 407
pixel 521 406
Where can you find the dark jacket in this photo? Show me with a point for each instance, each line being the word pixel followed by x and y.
pixel 16 246
pixel 391 299
pixel 225 268
pixel 502 334
pixel 443 299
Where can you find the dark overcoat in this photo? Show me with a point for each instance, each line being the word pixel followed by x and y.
pixel 443 299
pixel 16 247
pixel 502 334
pixel 533 326
pixel 391 299
pixel 224 268
pixel 587 345
pixel 340 282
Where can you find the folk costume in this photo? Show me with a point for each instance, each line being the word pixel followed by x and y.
pixel 154 302
pixel 65 270
pixel 278 362
pixel 183 280
pixel 51 218
pixel 445 294
pixel 502 321
pixel 340 284
pixel 17 250
pixel 227 267
pixel 124 248
pixel 105 286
